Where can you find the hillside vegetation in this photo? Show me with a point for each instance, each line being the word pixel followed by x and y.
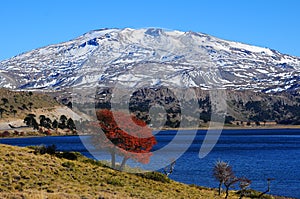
pixel 25 174
pixel 244 108
pixel 17 104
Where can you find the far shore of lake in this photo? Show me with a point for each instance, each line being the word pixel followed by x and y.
pixel 225 127
pixel 232 127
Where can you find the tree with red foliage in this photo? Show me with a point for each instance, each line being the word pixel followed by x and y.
pixel 124 135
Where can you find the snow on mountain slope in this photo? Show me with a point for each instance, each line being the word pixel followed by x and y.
pixel 153 55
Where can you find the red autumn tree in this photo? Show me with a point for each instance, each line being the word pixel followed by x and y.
pixel 124 135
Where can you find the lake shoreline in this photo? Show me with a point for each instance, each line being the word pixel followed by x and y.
pixel 238 128
pixel 281 127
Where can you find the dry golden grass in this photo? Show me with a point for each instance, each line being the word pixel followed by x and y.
pixel 26 175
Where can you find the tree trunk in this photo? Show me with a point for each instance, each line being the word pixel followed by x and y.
pixel 266 190
pixel 123 163
pixel 242 194
pixel 220 188
pixel 113 158
pixel 263 193
pixel 227 192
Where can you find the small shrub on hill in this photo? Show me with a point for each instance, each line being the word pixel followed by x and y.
pixel 42 149
pixel 156 176
pixel 69 165
pixel 69 155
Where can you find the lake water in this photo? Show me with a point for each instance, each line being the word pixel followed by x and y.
pixel 255 154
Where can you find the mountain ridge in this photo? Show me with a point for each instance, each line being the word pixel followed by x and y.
pixel 101 29
pixel 174 54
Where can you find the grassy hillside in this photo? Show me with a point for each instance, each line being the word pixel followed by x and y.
pixel 17 104
pixel 24 174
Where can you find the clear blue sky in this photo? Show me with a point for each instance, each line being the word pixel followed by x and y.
pixel 26 25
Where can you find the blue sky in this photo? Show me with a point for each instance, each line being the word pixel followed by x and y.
pixel 26 25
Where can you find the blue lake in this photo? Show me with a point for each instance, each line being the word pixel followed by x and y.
pixel 255 154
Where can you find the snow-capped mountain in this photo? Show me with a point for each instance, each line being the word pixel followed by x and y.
pixel 153 55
